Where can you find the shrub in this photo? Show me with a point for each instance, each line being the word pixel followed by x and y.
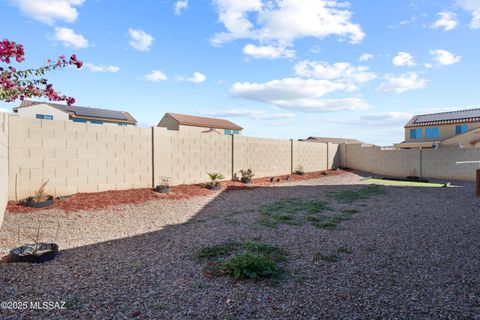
pixel 214 179
pixel 247 175
pixel 40 194
pixel 299 170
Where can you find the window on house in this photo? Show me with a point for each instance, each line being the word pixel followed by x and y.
pixel 44 116
pixel 416 133
pixel 227 131
pixel 96 122
pixel 461 128
pixel 236 131
pixel 122 124
pixel 80 120
pixel 432 133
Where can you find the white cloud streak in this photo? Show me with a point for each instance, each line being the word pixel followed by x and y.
pixel 140 40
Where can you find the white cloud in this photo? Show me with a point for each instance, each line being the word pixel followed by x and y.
pixel 365 57
pixel 3 110
pixel 473 7
pixel 48 11
pixel 155 76
pixel 299 94
pixel 282 22
pixel 402 83
pixel 249 113
pixel 180 6
pixel 268 52
pixel 384 119
pixel 197 77
pixel 140 40
pixel 69 38
pixel 101 68
pixel 447 21
pixel 403 59
pixel 340 71
pixel 444 57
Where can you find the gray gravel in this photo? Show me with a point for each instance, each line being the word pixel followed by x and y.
pixel 414 255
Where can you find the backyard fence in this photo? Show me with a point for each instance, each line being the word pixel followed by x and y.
pixel 427 163
pixel 81 157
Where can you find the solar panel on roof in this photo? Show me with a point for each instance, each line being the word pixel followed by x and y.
pixel 449 116
pixel 98 113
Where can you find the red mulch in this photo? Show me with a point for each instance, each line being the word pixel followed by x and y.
pixel 107 199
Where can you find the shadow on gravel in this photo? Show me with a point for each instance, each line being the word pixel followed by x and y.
pixel 407 258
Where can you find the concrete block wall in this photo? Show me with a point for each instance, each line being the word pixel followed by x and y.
pixel 3 163
pixel 427 163
pixel 399 163
pixel 186 157
pixel 266 157
pixel 312 156
pixel 76 157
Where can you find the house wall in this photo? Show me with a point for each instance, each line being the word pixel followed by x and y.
pixel 32 111
pixel 4 127
pixel 428 163
pixel 169 123
pixel 76 157
pixel 445 131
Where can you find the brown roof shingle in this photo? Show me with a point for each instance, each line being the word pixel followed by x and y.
pixel 188 120
pixel 332 140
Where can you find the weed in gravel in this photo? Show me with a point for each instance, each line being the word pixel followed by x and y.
pixel 332 223
pixel 289 211
pixel 217 250
pixel 350 196
pixel 327 258
pixel 200 285
pixel 344 250
pixel 247 260
pixel 72 303
pixel 159 306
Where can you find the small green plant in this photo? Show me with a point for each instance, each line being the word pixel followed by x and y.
pixel 72 303
pixel 344 250
pixel 159 306
pixel 299 170
pixel 327 258
pixel 247 260
pixel 214 179
pixel 350 196
pixel 247 175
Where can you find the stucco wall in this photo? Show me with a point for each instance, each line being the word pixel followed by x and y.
pixel 3 164
pixel 445 131
pixel 76 157
pixel 428 163
pixel 32 111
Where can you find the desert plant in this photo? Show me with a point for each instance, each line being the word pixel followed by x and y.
pixel 247 175
pixel 299 170
pixel 40 194
pixel 214 178
pixel 164 186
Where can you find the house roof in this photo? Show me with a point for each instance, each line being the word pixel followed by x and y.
pixel 460 116
pixel 84 112
pixel 188 120
pixel 332 140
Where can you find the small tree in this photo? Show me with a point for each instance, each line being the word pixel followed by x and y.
pixel 19 84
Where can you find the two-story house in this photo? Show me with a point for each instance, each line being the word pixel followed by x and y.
pixel 455 129
pixel 57 111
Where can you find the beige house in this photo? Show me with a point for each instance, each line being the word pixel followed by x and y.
pixel 445 129
pixel 56 111
pixel 184 122
pixel 332 140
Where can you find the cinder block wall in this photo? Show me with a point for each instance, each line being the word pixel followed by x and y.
pixel 186 157
pixel 76 157
pixel 428 163
pixel 3 163
pixel 312 156
pixel 266 157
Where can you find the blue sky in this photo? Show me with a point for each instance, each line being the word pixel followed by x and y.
pixel 280 69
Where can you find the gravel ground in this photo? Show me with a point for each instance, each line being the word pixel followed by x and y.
pixel 414 254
